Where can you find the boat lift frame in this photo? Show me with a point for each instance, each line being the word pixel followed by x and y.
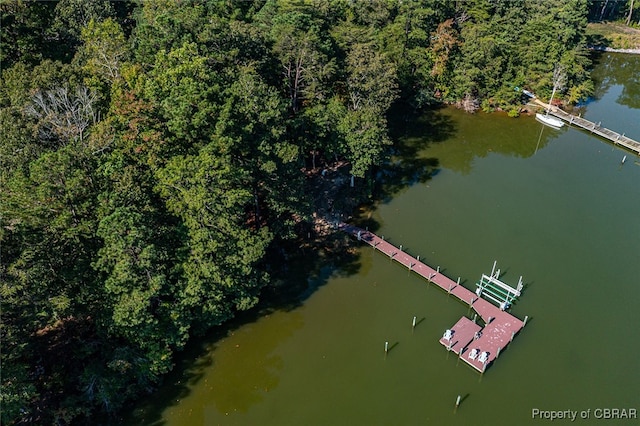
pixel 497 291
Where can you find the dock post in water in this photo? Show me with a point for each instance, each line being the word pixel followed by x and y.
pixel 493 336
pixel 596 128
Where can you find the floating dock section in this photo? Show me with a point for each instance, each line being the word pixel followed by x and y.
pixel 477 345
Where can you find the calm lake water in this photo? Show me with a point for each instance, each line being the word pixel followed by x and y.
pixel 555 206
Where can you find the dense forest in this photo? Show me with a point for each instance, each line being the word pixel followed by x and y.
pixel 627 11
pixel 154 154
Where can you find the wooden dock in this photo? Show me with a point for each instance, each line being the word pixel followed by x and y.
pixel 595 128
pixel 468 340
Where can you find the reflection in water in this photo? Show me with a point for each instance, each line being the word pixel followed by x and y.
pixel 618 70
pixel 566 218
pixel 252 364
pixel 539 138
pixel 408 166
pixel 252 368
pixel 478 135
pixel 550 133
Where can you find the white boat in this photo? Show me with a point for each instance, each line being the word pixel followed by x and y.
pixel 549 121
pixel 545 118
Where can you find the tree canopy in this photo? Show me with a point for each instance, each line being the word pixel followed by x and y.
pixel 153 154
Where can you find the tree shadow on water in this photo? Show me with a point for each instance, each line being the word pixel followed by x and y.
pixel 303 268
pixel 310 268
pixel 190 367
pixel 250 367
pixel 412 133
pixel 421 127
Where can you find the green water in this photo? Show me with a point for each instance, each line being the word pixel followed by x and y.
pixel 554 206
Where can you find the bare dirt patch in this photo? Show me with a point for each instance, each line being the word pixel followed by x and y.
pixel 335 199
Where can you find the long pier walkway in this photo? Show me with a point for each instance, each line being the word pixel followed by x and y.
pixel 477 346
pixel 615 137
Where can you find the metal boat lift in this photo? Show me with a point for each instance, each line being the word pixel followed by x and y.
pixel 497 291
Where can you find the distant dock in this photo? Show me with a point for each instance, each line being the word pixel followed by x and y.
pixel 595 128
pixel 476 345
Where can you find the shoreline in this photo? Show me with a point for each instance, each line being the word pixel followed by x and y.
pixel 612 50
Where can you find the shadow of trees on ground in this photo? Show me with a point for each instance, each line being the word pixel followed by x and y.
pixel 598 41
